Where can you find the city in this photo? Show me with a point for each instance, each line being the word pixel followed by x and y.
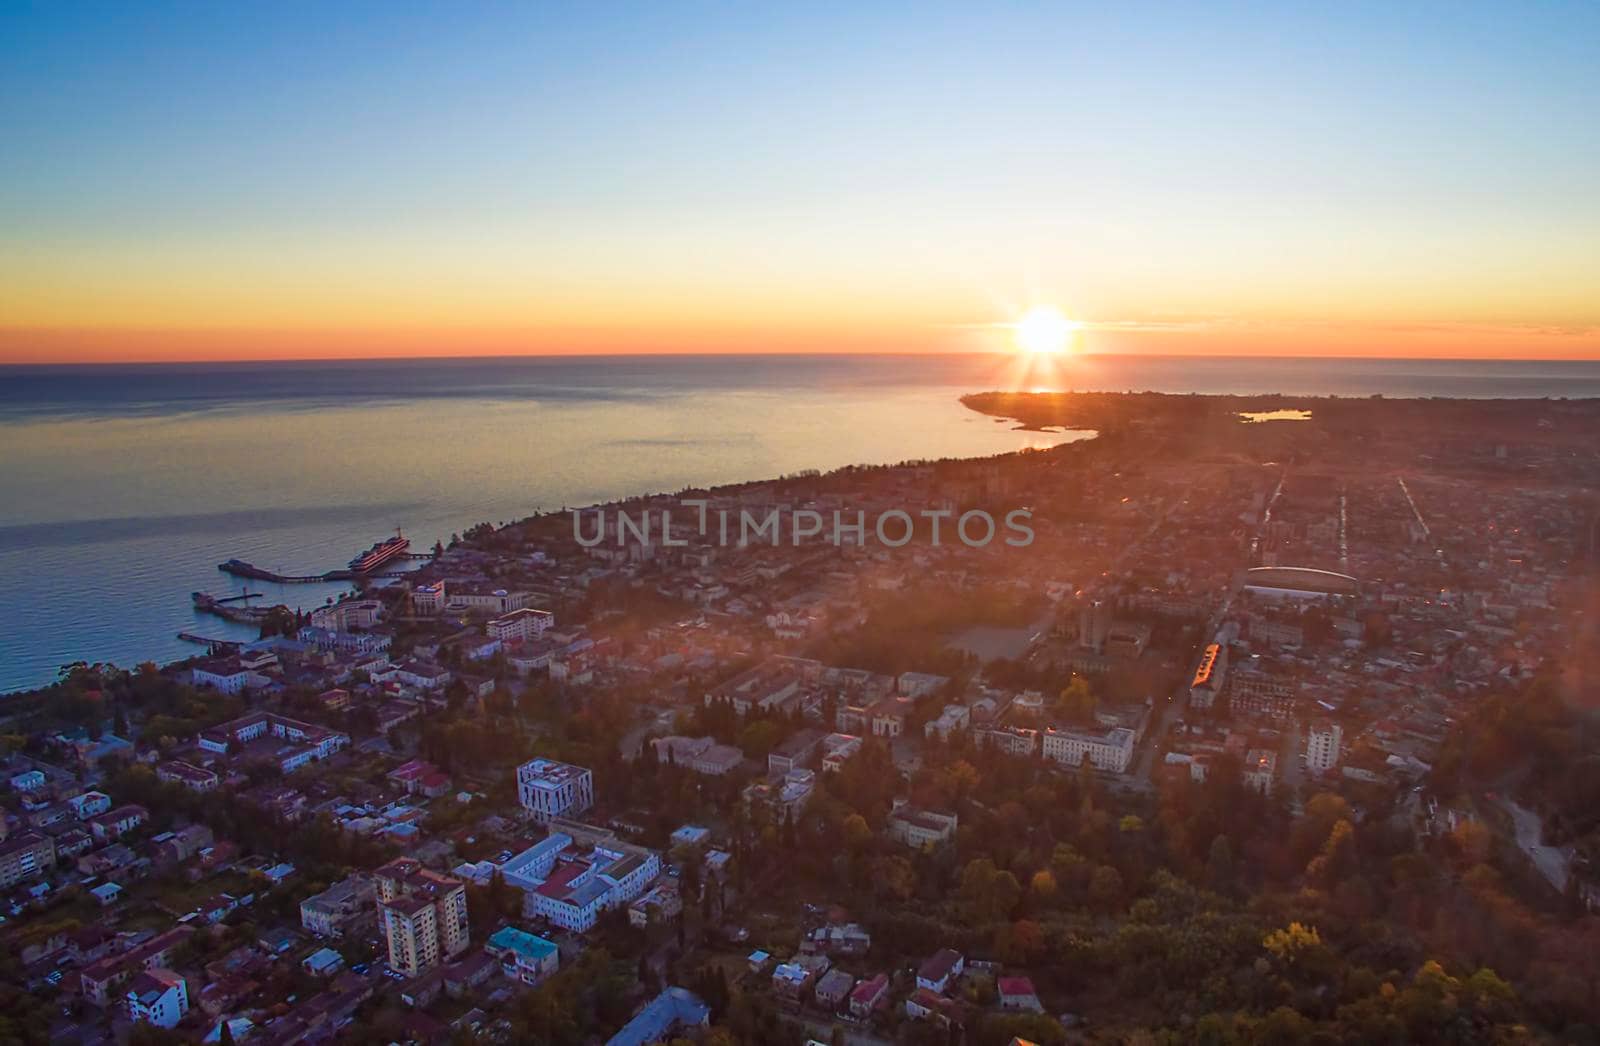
pixel 799 524
pixel 795 789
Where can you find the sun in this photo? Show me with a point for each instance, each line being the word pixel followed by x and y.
pixel 1043 329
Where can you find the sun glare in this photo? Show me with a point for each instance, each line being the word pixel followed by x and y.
pixel 1043 329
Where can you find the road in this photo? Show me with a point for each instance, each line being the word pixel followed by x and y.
pixel 1171 709
pixel 1166 712
pixel 632 742
pixel 853 1036
pixel 1289 753
pixel 1552 861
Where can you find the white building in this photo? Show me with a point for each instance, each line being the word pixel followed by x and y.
pixel 920 828
pixel 347 614
pixel 579 871
pixel 28 781
pixel 1111 751
pixel 1322 746
pixel 520 625
pixel 227 675
pixel 1260 768
pixel 468 598
pixel 427 600
pixel 532 866
pixel 838 749
pixel 89 804
pixel 158 997
pixel 549 789
pixel 952 719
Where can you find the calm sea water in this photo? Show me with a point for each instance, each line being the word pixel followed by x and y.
pixel 121 488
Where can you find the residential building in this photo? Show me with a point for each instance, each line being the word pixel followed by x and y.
pixel 940 970
pixel 253 736
pixel 951 720
pixel 178 846
pixel 703 755
pixel 548 789
pixel 465 597
pixel 1017 993
pixel 24 856
pixel 834 987
pixel 661 904
pixel 89 804
pixel 792 978
pixel 1021 741
pixel 423 915
pixel 101 978
pixel 869 996
pixel 334 641
pixel 1323 739
pixel 28 781
pixel 428 600
pixel 324 962
pixel 920 828
pixel 159 997
pixel 838 749
pixel 1261 694
pixel 194 778
pixel 523 956
pixel 227 675
pixel 528 869
pixel 419 777
pixel 1209 677
pixel 675 1009
pixel 786 797
pixel 340 907
pixel 347 614
pixel 1260 768
pixel 838 939
pixel 114 824
pixel 520 626
pixel 583 885
pixel 770 686
pixel 1111 751
pixel 418 674
pixel 794 753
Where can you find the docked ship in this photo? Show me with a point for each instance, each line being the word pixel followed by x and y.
pixel 381 553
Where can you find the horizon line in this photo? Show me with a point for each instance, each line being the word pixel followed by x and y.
pixel 775 354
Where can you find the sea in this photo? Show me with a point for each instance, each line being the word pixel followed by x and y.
pixel 123 486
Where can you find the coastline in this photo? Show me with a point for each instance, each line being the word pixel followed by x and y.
pixel 1209 421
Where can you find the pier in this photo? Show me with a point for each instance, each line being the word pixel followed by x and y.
pixel 239 568
pixel 209 604
pixel 212 642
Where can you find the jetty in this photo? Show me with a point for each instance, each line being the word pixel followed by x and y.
pixel 244 615
pixel 239 568
pixel 211 641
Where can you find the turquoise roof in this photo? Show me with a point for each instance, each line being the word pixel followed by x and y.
pixel 527 945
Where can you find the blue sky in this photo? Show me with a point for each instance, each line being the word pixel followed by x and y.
pixel 884 165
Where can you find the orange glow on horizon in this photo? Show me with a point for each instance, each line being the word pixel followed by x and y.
pixel 88 344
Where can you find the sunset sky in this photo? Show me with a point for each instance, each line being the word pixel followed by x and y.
pixel 204 181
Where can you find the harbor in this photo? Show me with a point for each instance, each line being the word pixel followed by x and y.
pixel 228 610
pixel 363 567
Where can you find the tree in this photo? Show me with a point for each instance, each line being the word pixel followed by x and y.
pixel 857 834
pixel 1105 887
pixel 989 893
pixel 1219 865
pixel 1043 886
pixel 1076 703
